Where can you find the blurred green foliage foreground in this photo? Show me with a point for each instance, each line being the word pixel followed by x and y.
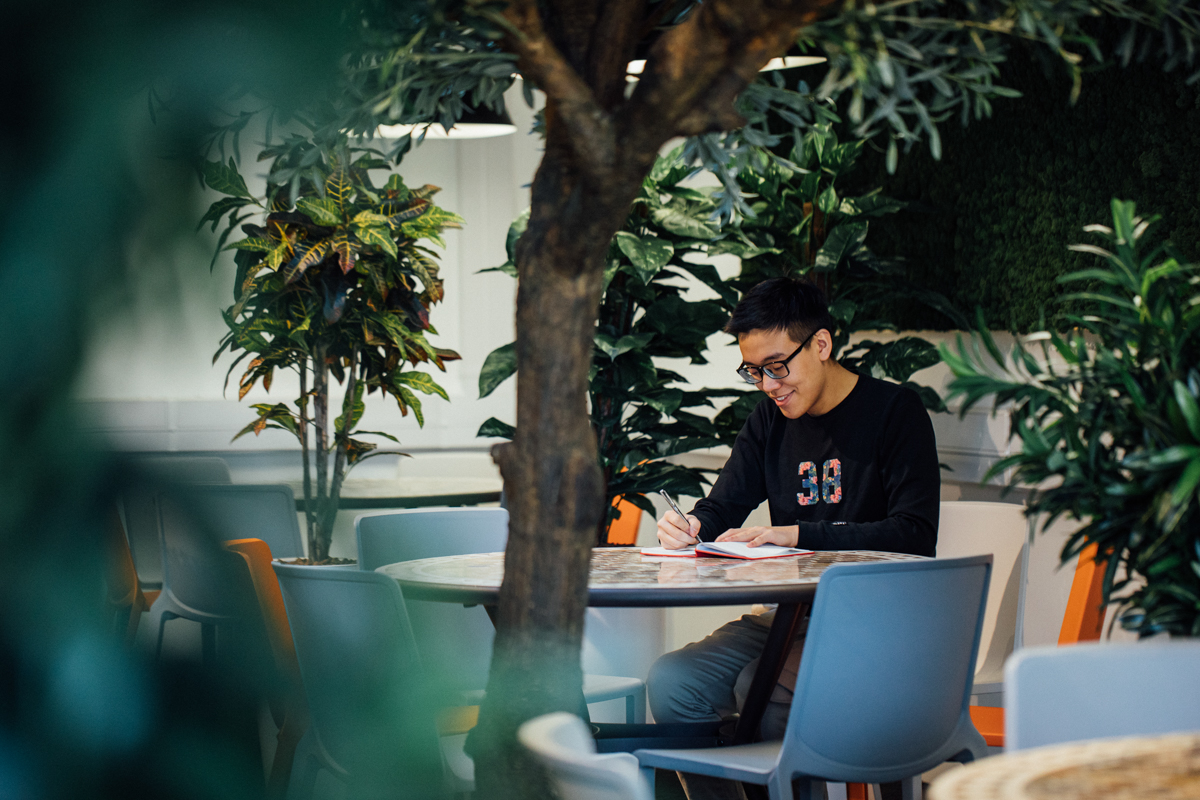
pixel 80 715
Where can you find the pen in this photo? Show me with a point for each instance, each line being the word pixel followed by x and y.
pixel 675 508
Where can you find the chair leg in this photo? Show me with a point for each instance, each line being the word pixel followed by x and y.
pixel 856 791
pixel 635 707
pixel 910 788
pixel 836 791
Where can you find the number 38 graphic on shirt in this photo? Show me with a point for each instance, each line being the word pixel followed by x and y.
pixel 830 487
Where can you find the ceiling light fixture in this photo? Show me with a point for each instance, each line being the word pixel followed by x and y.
pixel 637 66
pixel 477 123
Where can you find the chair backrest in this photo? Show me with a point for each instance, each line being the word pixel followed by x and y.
pixel 140 503
pixel 368 700
pixel 971 528
pixel 884 685
pixel 564 746
pixel 390 537
pixel 1060 603
pixel 257 557
pixel 1093 691
pixel 198 573
pixel 264 511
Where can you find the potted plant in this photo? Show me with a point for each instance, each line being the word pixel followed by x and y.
pixel 640 413
pixel 334 279
pixel 1108 420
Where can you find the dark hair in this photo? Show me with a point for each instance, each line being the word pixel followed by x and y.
pixel 782 304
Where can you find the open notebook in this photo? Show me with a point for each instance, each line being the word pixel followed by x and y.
pixel 727 550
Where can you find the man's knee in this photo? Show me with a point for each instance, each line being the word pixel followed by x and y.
pixel 679 692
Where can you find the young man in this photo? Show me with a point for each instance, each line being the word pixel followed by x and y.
pixel 845 462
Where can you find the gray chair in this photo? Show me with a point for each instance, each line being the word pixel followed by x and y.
pixel 201 581
pixel 372 719
pixel 883 688
pixel 393 536
pixel 1092 691
pixel 193 520
pixel 264 511
pixel 140 505
pixel 564 746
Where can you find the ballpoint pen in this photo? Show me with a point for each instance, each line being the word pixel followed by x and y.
pixel 675 508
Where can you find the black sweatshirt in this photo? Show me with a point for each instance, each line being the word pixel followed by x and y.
pixel 862 476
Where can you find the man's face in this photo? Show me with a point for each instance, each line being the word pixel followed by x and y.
pixel 796 392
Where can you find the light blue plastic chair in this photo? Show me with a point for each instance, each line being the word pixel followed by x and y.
pixel 1093 691
pixel 139 505
pixel 193 521
pixel 883 687
pixel 264 511
pixel 564 746
pixel 372 719
pixel 393 536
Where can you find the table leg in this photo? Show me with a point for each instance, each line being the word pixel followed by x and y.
pixel 770 665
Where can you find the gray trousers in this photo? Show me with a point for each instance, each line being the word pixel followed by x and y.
pixel 707 681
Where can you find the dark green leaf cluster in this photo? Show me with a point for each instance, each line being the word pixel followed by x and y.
pixel 1108 421
pixel 336 265
pixel 803 227
pixel 987 224
pixel 640 412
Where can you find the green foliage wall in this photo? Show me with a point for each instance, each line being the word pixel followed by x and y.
pixel 989 224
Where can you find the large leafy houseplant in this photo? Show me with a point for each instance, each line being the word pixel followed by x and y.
pixel 1108 421
pixel 804 226
pixel 333 279
pixel 640 411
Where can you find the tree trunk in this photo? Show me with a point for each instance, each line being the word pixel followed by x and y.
pixel 552 476
pixel 318 545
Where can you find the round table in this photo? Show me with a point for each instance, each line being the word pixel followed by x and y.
pixel 1159 767
pixel 622 576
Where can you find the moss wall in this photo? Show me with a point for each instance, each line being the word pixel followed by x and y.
pixel 989 224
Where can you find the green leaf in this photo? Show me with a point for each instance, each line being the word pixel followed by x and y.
pixel 1189 409
pixel 354 407
pixel 681 224
pixel 499 365
pixel 225 178
pixel 420 381
pixel 648 254
pixel 377 236
pixel 515 230
pixel 828 200
pixel 494 427
pixel 841 242
pixel 613 348
pixel 407 400
pixel 254 243
pixel 872 205
pixel 322 210
pixel 219 208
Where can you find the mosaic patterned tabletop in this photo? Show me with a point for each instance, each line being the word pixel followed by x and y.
pixel 622 576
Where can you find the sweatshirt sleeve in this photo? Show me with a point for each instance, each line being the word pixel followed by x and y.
pixel 741 487
pixel 908 464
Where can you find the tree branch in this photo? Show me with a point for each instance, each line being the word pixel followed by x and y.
pixel 697 69
pixel 592 133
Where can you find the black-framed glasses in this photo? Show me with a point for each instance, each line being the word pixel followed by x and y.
pixel 776 370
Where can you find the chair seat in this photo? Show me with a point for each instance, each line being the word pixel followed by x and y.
pixel 989 722
pixel 753 763
pixel 597 688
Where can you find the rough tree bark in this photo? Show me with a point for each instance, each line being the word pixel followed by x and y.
pixel 599 147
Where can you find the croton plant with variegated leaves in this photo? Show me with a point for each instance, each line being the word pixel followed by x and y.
pixel 335 276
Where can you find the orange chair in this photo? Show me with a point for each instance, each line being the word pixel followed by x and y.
pixel 291 709
pixel 624 529
pixel 1082 622
pixel 125 595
